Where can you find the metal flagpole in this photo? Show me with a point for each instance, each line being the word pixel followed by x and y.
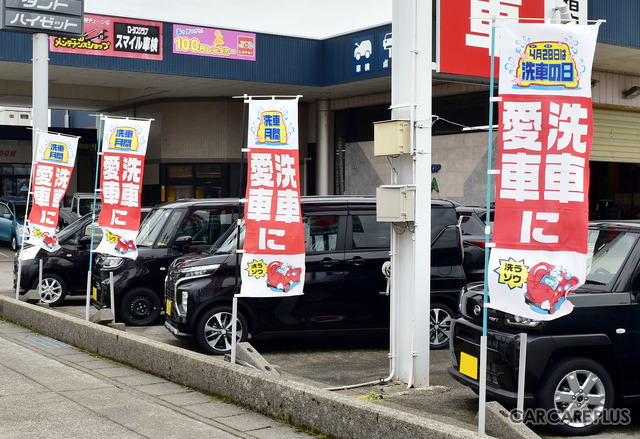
pixel 93 218
pixel 483 340
pixel 25 223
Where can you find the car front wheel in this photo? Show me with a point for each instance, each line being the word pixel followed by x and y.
pixel 52 289
pixel 440 326
pixel 214 330
pixel 139 307
pixel 574 394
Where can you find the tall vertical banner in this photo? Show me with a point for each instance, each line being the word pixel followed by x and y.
pixel 124 145
pixel 545 133
pixel 274 252
pixel 53 165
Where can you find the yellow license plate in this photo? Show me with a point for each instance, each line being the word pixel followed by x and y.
pixel 469 365
pixel 168 310
pixel 95 294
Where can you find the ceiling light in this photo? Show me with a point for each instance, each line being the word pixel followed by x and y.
pixel 632 92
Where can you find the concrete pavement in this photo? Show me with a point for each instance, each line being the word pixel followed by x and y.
pixel 50 389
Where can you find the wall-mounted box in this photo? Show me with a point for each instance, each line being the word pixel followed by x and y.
pixel 396 203
pixel 392 137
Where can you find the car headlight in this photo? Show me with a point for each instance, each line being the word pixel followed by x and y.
pixel 202 270
pixel 520 322
pixel 112 262
pixel 22 230
pixel 182 302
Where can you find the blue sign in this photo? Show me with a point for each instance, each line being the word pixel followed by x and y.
pixel 384 51
pixel 363 56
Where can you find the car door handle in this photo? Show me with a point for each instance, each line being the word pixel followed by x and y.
pixel 356 261
pixel 328 262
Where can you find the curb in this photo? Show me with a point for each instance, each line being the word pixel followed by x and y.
pixel 315 409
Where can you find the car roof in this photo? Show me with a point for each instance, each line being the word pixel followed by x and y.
pixel 616 224
pixel 13 198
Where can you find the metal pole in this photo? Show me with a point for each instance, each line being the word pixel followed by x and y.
pixel 93 217
pixel 482 391
pixel 521 372
pixel 40 279
pixel 111 296
pixel 40 85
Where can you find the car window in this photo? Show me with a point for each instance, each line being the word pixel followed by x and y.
pixel 369 233
pixel 4 209
pixel 608 250
pixel 153 225
pixel 169 231
pixel 320 232
pixel 21 210
pixel 471 225
pixel 205 226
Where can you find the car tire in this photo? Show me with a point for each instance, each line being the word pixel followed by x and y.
pixel 14 243
pixel 213 330
pixel 53 289
pixel 139 307
pixel 440 326
pixel 563 390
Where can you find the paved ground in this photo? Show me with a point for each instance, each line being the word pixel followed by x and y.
pixel 331 363
pixel 49 389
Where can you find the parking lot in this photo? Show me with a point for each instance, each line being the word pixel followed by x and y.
pixel 328 363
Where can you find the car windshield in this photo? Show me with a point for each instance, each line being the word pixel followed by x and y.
pixel 608 250
pixel 21 211
pixel 153 225
pixel 72 228
pixel 228 241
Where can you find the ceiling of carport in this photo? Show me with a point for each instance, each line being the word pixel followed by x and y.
pixel 101 90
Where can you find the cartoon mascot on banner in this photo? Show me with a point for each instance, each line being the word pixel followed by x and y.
pixel 547 287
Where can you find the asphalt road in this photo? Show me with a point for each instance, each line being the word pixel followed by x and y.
pixel 331 363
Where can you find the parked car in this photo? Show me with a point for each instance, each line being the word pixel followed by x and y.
pixel 170 230
pixel 472 221
pixel 12 213
pixel 62 269
pixel 81 204
pixel 344 284
pixel 578 366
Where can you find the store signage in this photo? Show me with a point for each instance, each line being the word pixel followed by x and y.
pixel 124 145
pixel 273 263
pixel 371 53
pixel 53 17
pixel 465 29
pixel 111 36
pixel 545 133
pixel 215 43
pixel 53 165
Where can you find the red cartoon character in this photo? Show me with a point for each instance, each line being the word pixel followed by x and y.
pixel 282 276
pixel 547 287
pixel 49 240
pixel 125 245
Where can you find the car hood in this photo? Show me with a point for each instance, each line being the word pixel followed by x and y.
pixel 198 260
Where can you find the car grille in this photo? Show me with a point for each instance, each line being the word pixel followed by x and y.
pixel 169 294
pixel 502 353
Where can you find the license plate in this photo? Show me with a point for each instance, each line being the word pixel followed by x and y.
pixel 469 365
pixel 95 294
pixel 168 310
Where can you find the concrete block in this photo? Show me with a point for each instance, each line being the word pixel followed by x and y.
pixel 30 296
pixel 247 355
pixel 102 316
pixel 499 424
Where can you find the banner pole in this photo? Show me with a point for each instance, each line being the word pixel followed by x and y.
pixel 234 307
pixel 483 341
pixel 521 372
pixel 93 218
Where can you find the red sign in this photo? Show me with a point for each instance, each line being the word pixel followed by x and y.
pixel 273 262
pixel 465 32
pixel 111 36
pixel 124 146
pixel 55 157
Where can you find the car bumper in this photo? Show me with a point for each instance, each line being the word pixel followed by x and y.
pixel 503 358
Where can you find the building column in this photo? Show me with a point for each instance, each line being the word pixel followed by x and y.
pixel 322 147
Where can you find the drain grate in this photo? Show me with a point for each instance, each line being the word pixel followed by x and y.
pixel 42 342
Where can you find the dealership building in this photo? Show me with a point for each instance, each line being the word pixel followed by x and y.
pixel 190 80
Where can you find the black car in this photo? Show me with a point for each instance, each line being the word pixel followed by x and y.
pixel 169 230
pixel 63 269
pixel 473 221
pixel 344 289
pixel 578 366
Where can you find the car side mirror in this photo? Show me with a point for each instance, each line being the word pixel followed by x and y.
pixel 6 216
pixel 84 240
pixel 182 242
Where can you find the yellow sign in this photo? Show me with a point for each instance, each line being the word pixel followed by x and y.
pixel 257 268
pixel 512 273
pixel 469 365
pixel 547 63
pixel 124 138
pixel 57 152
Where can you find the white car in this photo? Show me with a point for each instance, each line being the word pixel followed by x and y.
pixel 362 49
